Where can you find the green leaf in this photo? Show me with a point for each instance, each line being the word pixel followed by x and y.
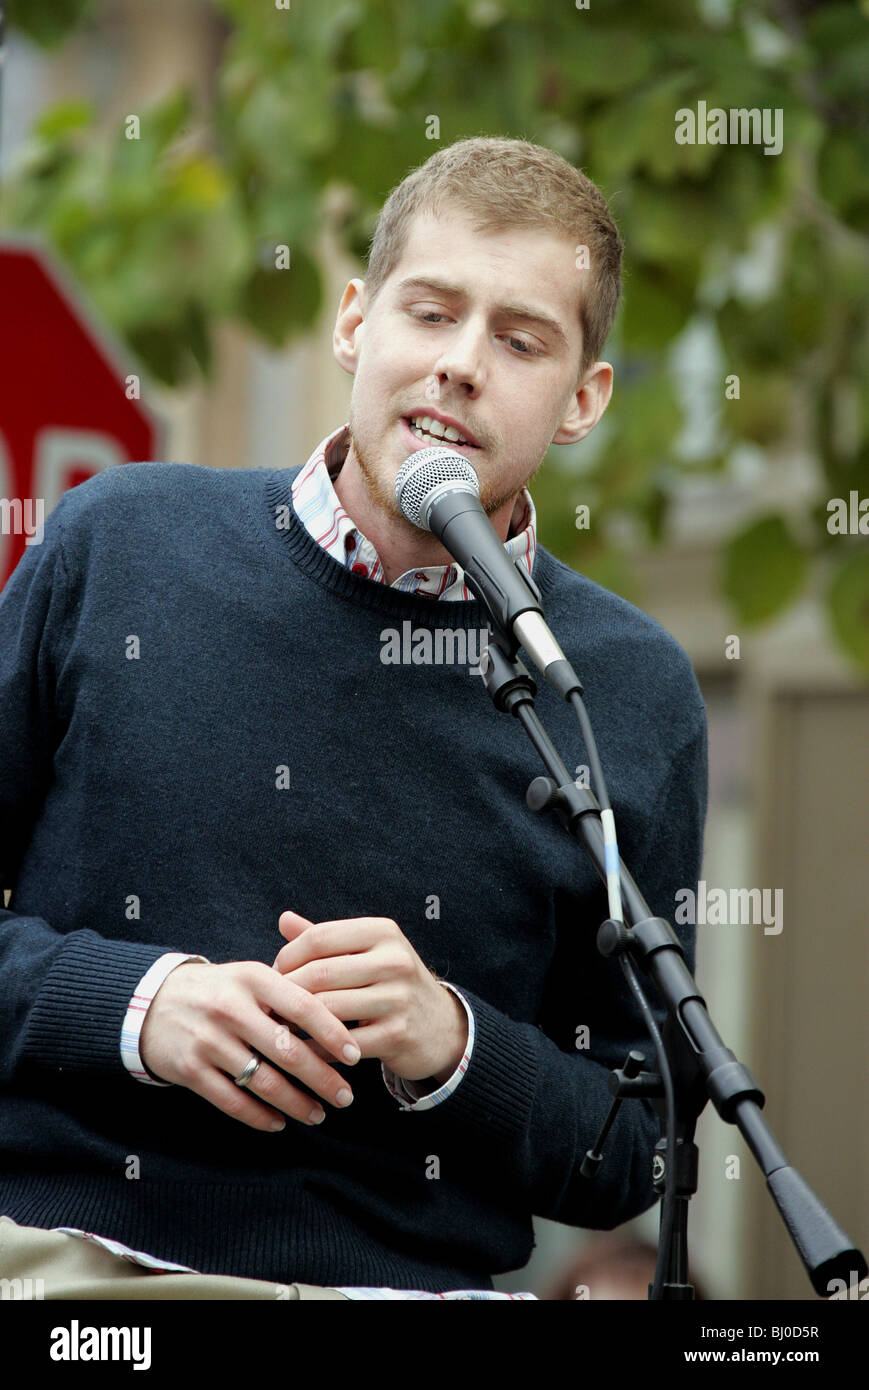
pixel 63 118
pixel 848 602
pixel 657 306
pixel 48 22
pixel 657 507
pixel 588 65
pixel 764 408
pixel 163 351
pixel 654 226
pixel 763 570
pixel 276 302
pixel 162 122
pixel 159 125
pixel 842 175
pixel 197 182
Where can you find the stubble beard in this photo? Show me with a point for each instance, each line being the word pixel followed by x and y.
pixel 380 493
pixel 384 497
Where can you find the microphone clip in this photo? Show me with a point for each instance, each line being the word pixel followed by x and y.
pixel 507 679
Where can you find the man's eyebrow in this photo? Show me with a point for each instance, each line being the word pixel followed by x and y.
pixel 522 312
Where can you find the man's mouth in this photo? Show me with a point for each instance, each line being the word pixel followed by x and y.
pixel 430 431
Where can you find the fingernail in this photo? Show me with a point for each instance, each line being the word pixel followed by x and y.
pixel 351 1053
pixel 277 1124
pixel 344 1096
pixel 316 1116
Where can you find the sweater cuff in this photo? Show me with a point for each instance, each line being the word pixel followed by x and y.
pixel 137 1012
pixel 76 1018
pixel 498 1088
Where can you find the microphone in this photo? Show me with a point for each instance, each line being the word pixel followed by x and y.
pixel 438 490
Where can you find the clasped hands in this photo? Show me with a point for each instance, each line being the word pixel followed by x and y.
pixel 206 1022
pixel 365 969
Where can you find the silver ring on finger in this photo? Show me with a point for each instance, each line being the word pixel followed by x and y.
pixel 249 1072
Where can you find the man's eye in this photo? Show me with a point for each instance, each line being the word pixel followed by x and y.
pixel 529 350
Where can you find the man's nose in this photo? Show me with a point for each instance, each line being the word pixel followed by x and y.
pixel 462 361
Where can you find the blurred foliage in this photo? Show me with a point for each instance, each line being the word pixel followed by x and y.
pixel 48 22
pixel 175 230
pixel 764 569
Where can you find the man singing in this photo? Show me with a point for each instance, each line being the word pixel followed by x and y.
pixel 241 840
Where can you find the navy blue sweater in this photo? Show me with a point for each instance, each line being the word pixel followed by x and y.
pixel 141 811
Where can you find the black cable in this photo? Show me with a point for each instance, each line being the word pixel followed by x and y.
pixel 668 1206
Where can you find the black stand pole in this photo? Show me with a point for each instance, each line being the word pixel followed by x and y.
pixel 694 1063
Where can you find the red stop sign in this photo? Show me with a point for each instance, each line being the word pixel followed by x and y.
pixel 68 403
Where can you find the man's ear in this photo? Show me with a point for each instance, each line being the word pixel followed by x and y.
pixel 587 405
pixel 349 324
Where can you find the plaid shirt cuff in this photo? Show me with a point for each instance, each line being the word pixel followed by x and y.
pixel 135 1016
pixel 408 1093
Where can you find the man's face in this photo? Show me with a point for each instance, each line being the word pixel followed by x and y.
pixel 477 349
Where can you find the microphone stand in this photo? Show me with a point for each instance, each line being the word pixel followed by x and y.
pixel 694 1064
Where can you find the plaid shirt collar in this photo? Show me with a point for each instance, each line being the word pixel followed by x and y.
pixel 319 509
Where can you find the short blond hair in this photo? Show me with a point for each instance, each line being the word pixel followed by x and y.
pixel 505 183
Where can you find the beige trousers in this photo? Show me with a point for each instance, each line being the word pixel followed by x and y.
pixel 37 1264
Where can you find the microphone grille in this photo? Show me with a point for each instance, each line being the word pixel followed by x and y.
pixel 422 471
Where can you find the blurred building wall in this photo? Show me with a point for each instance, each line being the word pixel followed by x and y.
pixel 789 805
